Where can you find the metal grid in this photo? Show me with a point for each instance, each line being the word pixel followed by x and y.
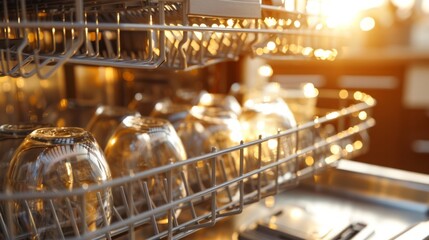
pixel 37 37
pixel 175 217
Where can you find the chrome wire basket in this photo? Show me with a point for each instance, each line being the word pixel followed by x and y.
pixel 334 134
pixel 37 37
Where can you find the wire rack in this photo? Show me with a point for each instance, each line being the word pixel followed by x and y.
pixel 148 201
pixel 37 37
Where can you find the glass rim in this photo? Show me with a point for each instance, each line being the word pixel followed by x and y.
pixel 21 129
pixel 147 124
pixel 59 135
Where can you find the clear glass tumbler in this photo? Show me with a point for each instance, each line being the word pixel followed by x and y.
pixel 11 136
pixel 59 159
pixel 265 116
pixel 217 100
pixel 140 144
pixel 206 128
pixel 105 120
pixel 174 112
pixel 70 113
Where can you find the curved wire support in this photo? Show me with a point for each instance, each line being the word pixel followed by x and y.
pixel 75 45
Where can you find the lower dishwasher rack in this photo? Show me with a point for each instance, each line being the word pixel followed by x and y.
pixel 313 149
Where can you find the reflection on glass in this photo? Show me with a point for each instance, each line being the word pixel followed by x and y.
pixel 174 112
pixel 265 116
pixel 223 101
pixel 301 101
pixel 203 129
pixel 57 159
pixel 105 120
pixel 11 136
pixel 188 96
pixel 70 113
pixel 143 103
pixel 140 144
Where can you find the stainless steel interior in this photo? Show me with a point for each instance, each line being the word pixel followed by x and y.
pixel 393 204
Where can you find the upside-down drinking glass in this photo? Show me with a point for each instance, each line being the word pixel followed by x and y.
pixel 11 136
pixel 265 116
pixel 140 144
pixel 54 160
pixel 105 120
pixel 206 128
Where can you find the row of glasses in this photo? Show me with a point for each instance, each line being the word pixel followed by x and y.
pixel 66 158
pixel 52 159
pixel 218 121
pixel 133 144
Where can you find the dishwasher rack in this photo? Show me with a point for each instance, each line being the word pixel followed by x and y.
pixel 37 37
pixel 314 149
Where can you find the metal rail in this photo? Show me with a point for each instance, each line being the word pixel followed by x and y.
pixel 175 216
pixel 38 37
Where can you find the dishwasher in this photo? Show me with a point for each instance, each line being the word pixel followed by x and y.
pixel 308 189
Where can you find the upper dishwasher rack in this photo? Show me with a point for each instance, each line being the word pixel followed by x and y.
pixel 37 36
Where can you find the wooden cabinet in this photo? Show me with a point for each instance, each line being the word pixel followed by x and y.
pixel 400 138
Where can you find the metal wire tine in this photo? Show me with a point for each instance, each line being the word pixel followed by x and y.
pixel 117 215
pixel 30 215
pixel 240 42
pixel 97 38
pixel 9 218
pixel 200 182
pixel 222 166
pixel 259 167
pixel 202 50
pixel 277 159
pixel 212 216
pixel 108 45
pixel 3 226
pixel 4 62
pixel 159 183
pixel 241 186
pixel 173 217
pixel 72 218
pixel 83 213
pixel 297 150
pixel 103 212
pixel 64 33
pixel 118 37
pixel 172 54
pixel 75 45
pixel 87 40
pixel 38 28
pixel 24 43
pixel 213 184
pixel 169 184
pixel 57 221
pixel 124 199
pixel 54 40
pixel 314 152
pixel 130 213
pixel 221 45
pixel 189 52
pixel 235 210
pixel 185 22
pixel 162 53
pixel 149 206
pixel 188 193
